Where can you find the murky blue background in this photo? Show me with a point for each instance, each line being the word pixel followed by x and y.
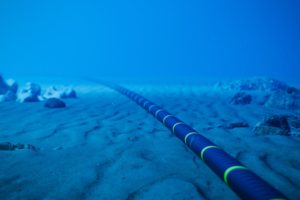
pixel 138 39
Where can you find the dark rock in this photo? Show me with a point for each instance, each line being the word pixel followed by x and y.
pixel 241 98
pixel 54 103
pixel 273 125
pixel 292 90
pixel 7 146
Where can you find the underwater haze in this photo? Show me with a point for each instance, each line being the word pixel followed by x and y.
pixel 175 40
pixel 146 100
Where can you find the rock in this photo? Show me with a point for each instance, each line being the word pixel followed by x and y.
pixel 52 92
pixel 64 93
pixel 264 91
pixel 13 85
pixel 7 146
pixel 273 125
pixel 54 103
pixel 283 100
pixel 241 98
pixel 8 96
pixel 31 93
pixel 292 90
pixel 69 93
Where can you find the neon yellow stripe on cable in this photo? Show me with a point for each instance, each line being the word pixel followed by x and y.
pixel 188 135
pixel 230 169
pixel 151 107
pixel 156 113
pixel 206 148
pixel 166 118
pixel 174 126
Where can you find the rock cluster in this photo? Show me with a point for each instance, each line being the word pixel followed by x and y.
pixel 262 91
pixel 65 93
pixel 33 93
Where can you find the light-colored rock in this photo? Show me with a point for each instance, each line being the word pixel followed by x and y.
pixel 13 85
pixel 65 93
pixel 52 92
pixel 31 93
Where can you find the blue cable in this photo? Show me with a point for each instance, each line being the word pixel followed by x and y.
pixel 239 178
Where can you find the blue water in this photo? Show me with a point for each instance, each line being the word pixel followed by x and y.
pixel 150 39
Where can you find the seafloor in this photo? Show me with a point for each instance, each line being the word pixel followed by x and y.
pixel 104 146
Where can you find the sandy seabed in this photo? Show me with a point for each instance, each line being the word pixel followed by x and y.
pixel 104 146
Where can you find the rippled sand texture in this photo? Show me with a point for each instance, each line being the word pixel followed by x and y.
pixel 104 146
